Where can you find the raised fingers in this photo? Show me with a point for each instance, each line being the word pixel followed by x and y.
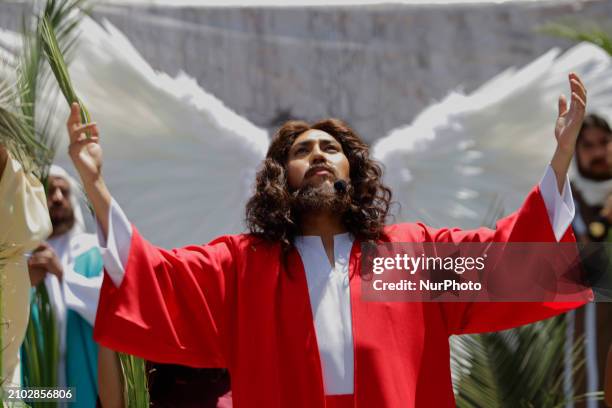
pixel 578 87
pixel 74 119
pixel 80 130
pixel 562 104
pixel 76 146
pixel 94 130
pixel 575 76
pixel 578 103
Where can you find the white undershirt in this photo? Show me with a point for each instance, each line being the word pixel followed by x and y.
pixel 328 287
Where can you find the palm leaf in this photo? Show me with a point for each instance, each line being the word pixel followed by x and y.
pixel 58 66
pixel 592 34
pixel 35 77
pixel 41 345
pixel 16 131
pixel 516 368
pixel 136 393
pixel 133 368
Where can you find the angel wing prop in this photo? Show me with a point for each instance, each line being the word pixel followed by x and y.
pixel 179 162
pixel 471 157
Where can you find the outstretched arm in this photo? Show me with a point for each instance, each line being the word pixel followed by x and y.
pixel 166 306
pixel 567 128
pixel 86 154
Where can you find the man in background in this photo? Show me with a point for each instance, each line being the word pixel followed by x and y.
pixel 70 265
pixel 592 190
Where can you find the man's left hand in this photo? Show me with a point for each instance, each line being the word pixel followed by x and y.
pixel 567 127
pixel 570 120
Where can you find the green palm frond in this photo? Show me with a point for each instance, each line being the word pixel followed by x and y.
pixel 522 367
pixel 136 392
pixel 41 345
pixel 34 147
pixel 133 368
pixel 34 77
pixel 591 33
pixel 58 66
pixel 16 130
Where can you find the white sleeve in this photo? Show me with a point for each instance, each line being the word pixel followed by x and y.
pixel 560 207
pixel 82 294
pixel 116 248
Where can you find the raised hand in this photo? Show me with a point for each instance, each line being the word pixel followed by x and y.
pixel 569 120
pixel 85 152
pixel 567 127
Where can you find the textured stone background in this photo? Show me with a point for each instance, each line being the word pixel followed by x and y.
pixel 374 66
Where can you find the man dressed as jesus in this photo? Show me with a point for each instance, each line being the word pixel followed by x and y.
pixel 281 306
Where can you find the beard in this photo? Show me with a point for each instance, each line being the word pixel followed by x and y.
pixel 319 198
pixel 62 220
pixel 595 175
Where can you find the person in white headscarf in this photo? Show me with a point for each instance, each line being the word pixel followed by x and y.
pixel 24 223
pixel 70 265
pixel 591 182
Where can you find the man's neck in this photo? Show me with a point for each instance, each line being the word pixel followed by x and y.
pixel 325 225
pixel 593 192
pixel 61 230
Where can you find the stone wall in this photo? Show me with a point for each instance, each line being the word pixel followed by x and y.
pixel 374 66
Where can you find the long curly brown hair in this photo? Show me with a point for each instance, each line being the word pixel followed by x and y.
pixel 269 213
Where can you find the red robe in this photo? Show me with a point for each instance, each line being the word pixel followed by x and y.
pixel 230 304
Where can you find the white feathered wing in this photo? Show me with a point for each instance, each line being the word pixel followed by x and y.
pixel 178 161
pixel 468 159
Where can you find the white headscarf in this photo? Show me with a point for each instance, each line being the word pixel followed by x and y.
pixel 62 294
pixel 594 192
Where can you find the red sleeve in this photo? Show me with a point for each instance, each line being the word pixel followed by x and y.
pixel 171 306
pixel 529 224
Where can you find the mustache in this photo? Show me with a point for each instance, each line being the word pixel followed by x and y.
pixel 319 167
pixel 599 161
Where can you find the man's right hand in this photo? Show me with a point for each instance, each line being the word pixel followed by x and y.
pixel 85 152
pixel 43 261
pixel 37 275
